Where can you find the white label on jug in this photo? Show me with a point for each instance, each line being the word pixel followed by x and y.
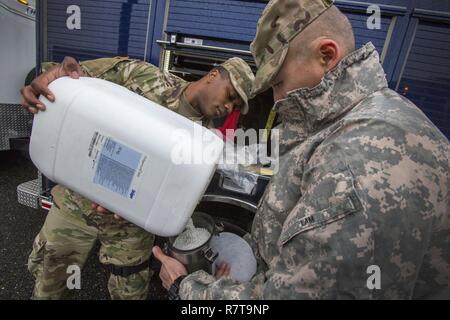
pixel 116 166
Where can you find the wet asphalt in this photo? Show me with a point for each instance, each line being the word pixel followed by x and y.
pixel 18 227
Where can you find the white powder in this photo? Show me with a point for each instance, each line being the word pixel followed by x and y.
pixel 191 237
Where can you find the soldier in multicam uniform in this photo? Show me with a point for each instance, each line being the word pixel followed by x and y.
pixel 74 224
pixel 363 179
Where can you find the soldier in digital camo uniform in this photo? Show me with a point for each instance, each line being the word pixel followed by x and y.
pixel 73 225
pixel 363 179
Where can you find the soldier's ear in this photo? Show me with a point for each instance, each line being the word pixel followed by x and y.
pixel 329 53
pixel 212 75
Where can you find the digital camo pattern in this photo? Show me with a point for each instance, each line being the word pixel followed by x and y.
pixel 364 181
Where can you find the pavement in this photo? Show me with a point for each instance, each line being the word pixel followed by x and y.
pixel 18 227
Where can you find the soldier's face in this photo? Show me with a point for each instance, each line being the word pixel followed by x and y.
pixel 305 68
pixel 296 73
pixel 218 97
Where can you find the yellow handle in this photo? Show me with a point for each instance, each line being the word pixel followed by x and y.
pixel 269 125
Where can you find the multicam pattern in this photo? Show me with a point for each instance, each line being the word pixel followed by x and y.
pixel 146 80
pixel 241 77
pixel 364 180
pixel 72 228
pixel 68 235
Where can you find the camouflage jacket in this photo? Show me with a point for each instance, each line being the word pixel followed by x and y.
pixel 363 182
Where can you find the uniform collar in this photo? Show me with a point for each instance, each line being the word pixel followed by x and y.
pixel 185 108
pixel 357 76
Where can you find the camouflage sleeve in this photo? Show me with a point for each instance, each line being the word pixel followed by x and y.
pixel 47 65
pixel 111 69
pixel 138 76
pixel 200 285
pixel 117 70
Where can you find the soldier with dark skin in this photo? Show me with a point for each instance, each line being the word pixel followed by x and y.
pixel 74 223
pixel 363 181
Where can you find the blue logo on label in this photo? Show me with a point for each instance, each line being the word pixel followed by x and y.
pixel 132 194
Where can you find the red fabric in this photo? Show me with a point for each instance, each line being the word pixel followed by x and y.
pixel 230 123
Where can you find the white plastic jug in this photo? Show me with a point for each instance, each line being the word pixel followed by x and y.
pixel 132 156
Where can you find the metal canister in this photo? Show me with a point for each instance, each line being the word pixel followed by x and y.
pixel 202 257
